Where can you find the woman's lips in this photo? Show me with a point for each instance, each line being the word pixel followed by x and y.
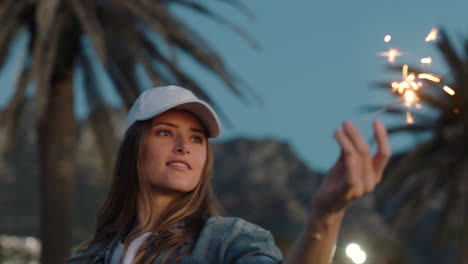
pixel 179 164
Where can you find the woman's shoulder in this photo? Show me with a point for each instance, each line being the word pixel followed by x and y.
pixel 80 255
pixel 235 239
pixel 220 223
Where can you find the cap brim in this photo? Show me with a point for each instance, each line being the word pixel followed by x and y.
pixel 205 113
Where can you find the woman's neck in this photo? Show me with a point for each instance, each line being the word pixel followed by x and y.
pixel 159 204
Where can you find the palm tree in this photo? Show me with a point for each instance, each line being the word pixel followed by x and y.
pixel 125 35
pixel 437 168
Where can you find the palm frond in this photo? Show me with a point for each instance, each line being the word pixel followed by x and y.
pixel 185 40
pixel 435 102
pixel 243 8
pixel 6 7
pixel 449 53
pixel 398 171
pixel 234 3
pixel 99 117
pixel 155 77
pixel 183 78
pixel 420 193
pixel 7 33
pixel 195 46
pixel 396 111
pixel 122 59
pixel 151 14
pixel 45 47
pixel 419 127
pixel 10 25
pixel 15 107
pixel 382 85
pixel 203 10
pixel 86 11
pixel 457 65
pixel 453 215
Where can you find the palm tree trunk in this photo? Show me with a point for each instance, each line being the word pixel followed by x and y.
pixel 57 137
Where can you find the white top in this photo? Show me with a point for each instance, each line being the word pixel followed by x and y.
pixel 131 251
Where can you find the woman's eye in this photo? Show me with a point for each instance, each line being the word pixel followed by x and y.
pixel 163 133
pixel 198 140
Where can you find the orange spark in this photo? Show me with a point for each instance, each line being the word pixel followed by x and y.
pixel 432 36
pixel 387 38
pixel 426 60
pixel 407 87
pixel 405 72
pixel 429 76
pixel 448 90
pixel 409 118
pixel 395 86
pixel 391 54
pixel 410 97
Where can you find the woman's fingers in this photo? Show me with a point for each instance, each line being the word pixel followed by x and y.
pixel 360 172
pixel 356 139
pixel 347 148
pixel 383 153
pixel 352 166
pixel 365 156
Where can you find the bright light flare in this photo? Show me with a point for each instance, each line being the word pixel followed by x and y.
pixel 387 38
pixel 409 118
pixel 410 97
pixel 407 88
pixel 432 36
pixel 426 60
pixel 391 54
pixel 429 77
pixel 448 90
pixel 404 71
pixel 355 253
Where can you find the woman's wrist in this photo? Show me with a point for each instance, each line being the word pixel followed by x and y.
pixel 322 223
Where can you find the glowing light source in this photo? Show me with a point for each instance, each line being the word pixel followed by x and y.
pixel 448 90
pixel 391 54
pixel 355 253
pixel 387 38
pixel 410 97
pixel 429 76
pixel 426 60
pixel 409 118
pixel 412 82
pixel 407 89
pixel 432 36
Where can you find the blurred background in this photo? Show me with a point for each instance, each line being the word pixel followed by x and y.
pixel 282 74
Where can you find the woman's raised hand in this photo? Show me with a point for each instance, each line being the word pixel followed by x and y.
pixel 356 171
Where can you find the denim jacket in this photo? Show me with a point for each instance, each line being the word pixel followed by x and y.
pixel 228 240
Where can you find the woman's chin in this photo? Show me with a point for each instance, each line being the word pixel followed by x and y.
pixel 171 189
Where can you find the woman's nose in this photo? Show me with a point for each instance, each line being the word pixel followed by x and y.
pixel 182 146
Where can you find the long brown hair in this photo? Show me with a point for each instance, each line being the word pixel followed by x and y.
pixel 179 225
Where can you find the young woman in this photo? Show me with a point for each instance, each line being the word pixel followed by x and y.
pixel 161 209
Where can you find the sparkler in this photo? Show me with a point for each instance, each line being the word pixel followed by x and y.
pixel 391 54
pixel 411 83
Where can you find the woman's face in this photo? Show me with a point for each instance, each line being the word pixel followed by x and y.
pixel 175 152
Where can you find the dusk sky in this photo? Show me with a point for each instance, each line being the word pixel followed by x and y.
pixel 315 66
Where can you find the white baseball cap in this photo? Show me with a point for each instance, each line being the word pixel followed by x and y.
pixel 157 100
